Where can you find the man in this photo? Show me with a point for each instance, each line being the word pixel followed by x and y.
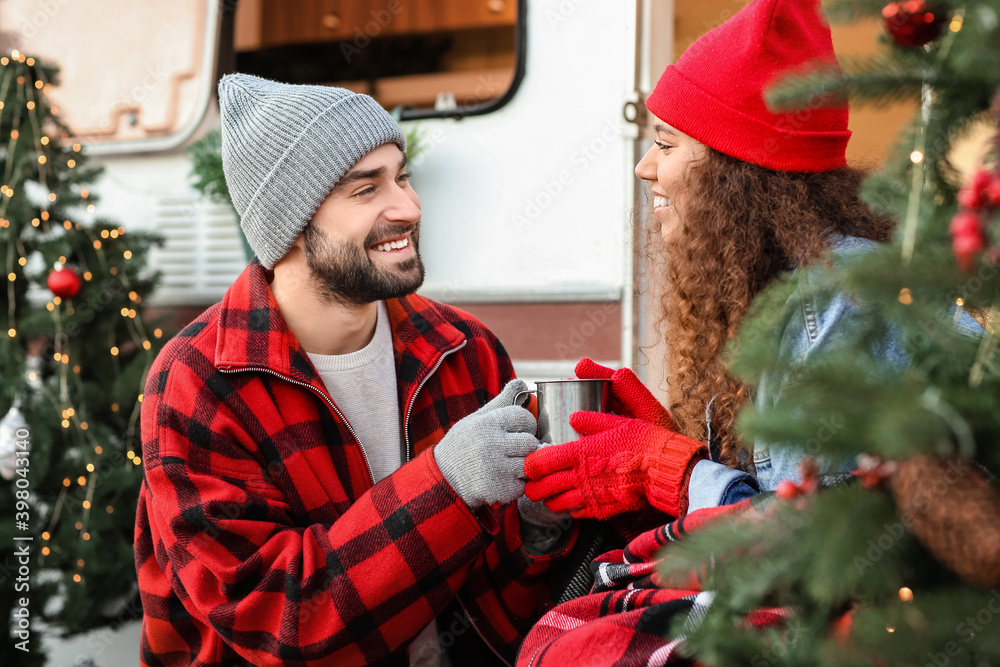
pixel 330 459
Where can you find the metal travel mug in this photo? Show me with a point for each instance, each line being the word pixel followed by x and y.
pixel 558 399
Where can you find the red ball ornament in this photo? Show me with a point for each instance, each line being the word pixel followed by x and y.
pixel 65 282
pixel 968 243
pixel 913 23
pixel 970 198
pixel 981 179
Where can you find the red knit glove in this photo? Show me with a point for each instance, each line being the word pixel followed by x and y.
pixel 619 465
pixel 631 398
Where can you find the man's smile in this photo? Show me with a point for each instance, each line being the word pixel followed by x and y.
pixel 393 245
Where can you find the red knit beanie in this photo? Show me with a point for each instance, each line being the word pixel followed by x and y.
pixel 715 92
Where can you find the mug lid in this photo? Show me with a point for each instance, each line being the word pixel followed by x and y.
pixel 572 380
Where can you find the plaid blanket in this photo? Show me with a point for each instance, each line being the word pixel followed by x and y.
pixel 626 618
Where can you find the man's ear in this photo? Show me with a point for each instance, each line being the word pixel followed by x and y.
pixel 297 250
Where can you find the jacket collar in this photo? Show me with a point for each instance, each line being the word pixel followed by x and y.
pixel 254 335
pixel 420 336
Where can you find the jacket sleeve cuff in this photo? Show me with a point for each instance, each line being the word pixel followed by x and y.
pixel 670 473
pixel 482 517
pixel 713 484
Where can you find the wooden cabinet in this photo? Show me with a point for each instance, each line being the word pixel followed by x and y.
pixel 286 22
pixel 302 21
pixel 438 15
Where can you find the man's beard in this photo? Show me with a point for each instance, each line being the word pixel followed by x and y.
pixel 345 274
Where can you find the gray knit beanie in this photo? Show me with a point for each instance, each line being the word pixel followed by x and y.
pixel 285 146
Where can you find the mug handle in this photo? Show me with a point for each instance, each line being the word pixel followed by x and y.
pixel 517 398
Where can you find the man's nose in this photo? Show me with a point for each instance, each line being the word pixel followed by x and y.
pixel 405 207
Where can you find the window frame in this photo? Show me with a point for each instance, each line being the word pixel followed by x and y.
pixel 520 56
pixel 209 66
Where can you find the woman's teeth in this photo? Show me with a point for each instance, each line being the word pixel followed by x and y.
pixel 659 202
pixel 394 245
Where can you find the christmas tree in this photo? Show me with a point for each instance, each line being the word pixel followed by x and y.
pixel 75 352
pixel 901 565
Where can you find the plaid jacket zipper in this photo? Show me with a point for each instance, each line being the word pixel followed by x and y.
pixel 458 598
pixel 413 397
pixel 406 439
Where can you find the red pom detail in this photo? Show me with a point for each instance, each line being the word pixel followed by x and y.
pixel 992 191
pixel 810 476
pixel 842 628
pixel 875 477
pixel 787 490
pixel 965 247
pixel 65 282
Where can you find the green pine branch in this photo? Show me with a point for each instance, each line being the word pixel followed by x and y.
pixel 206 167
pixel 850 547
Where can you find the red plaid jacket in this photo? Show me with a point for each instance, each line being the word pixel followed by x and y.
pixel 260 538
pixel 626 618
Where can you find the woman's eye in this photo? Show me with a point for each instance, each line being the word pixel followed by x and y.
pixel 662 146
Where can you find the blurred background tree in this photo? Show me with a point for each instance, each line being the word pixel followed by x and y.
pixel 74 353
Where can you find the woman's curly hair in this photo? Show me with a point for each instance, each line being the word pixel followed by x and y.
pixel 741 226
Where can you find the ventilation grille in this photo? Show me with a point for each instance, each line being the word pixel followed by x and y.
pixel 203 251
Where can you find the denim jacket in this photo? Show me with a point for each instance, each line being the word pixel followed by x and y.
pixel 824 324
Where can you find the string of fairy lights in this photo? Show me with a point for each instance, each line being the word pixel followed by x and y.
pixel 72 416
pixel 911 220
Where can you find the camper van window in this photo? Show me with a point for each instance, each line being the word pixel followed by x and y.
pixel 424 57
pixel 133 76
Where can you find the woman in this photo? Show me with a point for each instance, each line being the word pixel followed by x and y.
pixel 741 195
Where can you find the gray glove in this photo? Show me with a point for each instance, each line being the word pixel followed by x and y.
pixel 482 456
